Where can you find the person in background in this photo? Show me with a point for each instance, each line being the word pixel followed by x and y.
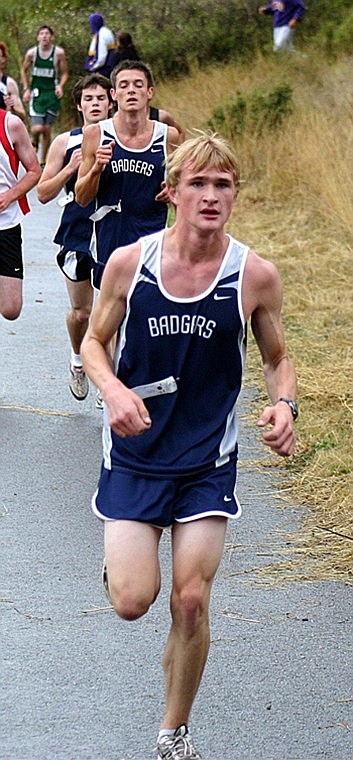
pixel 102 47
pixel 179 301
pixel 15 148
pixel 93 101
pixel 286 16
pixel 160 114
pixel 125 48
pixel 9 93
pixel 49 74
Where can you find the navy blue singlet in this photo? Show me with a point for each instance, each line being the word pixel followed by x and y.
pixel 126 208
pixel 75 230
pixel 201 342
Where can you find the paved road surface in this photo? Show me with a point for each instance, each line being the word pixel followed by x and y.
pixel 77 683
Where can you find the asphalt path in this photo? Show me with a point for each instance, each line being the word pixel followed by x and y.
pixel 76 682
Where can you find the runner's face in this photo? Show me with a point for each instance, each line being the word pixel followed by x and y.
pixel 205 198
pixel 94 105
pixel 45 37
pixel 131 90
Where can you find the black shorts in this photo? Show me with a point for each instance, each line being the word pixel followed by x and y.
pixel 76 265
pixel 11 261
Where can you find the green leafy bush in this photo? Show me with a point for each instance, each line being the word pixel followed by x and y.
pixel 258 112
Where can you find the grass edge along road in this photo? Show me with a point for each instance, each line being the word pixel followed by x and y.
pixel 295 207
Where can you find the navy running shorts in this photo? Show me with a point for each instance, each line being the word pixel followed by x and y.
pixel 76 265
pixel 11 261
pixel 98 270
pixel 126 495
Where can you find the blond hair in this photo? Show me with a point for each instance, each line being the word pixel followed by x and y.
pixel 204 149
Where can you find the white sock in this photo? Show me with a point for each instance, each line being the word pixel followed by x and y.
pixel 166 732
pixel 76 360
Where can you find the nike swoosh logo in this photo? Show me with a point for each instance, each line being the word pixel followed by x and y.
pixel 220 298
pixel 156 150
pixel 227 498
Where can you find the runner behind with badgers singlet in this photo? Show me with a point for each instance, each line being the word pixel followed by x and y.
pixel 92 98
pixel 123 165
pixel 160 114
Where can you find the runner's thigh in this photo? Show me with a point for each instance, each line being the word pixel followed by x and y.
pixel 80 294
pixel 131 551
pixel 197 550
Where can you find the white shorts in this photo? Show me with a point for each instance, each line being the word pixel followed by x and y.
pixel 283 38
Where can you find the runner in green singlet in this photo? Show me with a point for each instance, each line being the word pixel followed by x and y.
pixel 47 63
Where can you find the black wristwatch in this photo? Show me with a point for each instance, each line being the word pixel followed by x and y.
pixel 292 405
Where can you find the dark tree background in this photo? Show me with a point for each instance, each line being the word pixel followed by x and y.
pixel 171 35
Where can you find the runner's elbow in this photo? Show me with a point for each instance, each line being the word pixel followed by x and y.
pixel 43 196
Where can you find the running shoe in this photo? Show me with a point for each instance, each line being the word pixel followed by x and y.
pixel 78 383
pixel 178 746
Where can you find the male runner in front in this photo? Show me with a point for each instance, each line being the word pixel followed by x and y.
pixel 180 300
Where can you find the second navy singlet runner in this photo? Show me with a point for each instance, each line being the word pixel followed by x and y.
pixel 75 228
pixel 126 208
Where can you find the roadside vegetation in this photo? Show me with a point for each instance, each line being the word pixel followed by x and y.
pixel 295 207
pixel 290 120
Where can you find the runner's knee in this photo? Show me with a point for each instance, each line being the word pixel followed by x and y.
pixel 129 604
pixel 81 314
pixel 11 313
pixel 189 607
pixel 11 309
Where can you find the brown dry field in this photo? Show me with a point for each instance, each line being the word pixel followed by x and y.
pixel 295 207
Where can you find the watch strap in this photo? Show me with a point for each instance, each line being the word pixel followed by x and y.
pixel 292 405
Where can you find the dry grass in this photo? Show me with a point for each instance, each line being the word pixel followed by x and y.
pixel 296 208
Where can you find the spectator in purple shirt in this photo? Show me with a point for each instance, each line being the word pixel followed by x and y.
pixel 102 47
pixel 285 18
